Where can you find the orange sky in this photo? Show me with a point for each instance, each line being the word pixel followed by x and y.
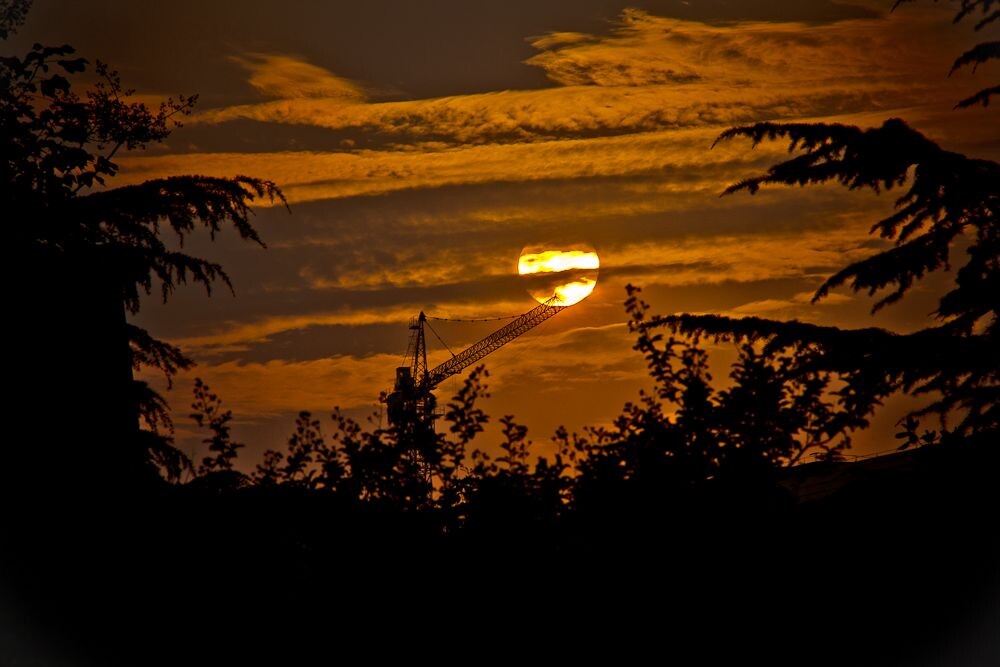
pixel 422 151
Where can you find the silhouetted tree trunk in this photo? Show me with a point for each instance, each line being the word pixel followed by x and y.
pixel 73 366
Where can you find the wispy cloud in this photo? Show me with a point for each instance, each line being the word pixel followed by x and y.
pixel 649 73
pixel 649 96
pixel 238 336
pixel 695 261
pixel 307 175
pixel 280 387
pixel 287 77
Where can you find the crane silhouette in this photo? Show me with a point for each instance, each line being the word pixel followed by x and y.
pixel 410 405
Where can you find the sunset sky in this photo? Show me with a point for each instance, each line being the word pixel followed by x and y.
pixel 423 145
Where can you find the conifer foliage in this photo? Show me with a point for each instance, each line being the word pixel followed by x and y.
pixel 984 12
pixel 946 215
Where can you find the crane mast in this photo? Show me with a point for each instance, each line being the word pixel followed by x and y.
pixel 411 403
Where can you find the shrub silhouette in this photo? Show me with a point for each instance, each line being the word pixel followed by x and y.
pixel 684 437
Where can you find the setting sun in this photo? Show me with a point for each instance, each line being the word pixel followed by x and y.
pixel 568 275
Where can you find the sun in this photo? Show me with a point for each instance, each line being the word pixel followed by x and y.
pixel 565 276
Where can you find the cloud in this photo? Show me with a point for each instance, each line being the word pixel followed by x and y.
pixel 287 77
pixel 516 116
pixel 574 111
pixel 650 96
pixel 238 336
pixel 308 175
pixel 649 73
pixel 788 308
pixel 646 50
pixel 277 387
pixel 670 262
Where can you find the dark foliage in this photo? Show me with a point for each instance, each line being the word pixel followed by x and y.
pixel 984 12
pixel 949 198
pixel 67 231
pixel 12 15
pixel 684 515
pixel 684 436
pixel 61 146
pixel 208 413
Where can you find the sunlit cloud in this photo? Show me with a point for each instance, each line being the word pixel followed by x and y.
pixel 309 176
pixel 798 304
pixel 683 158
pixel 287 77
pixel 680 262
pixel 281 387
pixel 557 260
pixel 649 73
pixel 237 336
pixel 736 59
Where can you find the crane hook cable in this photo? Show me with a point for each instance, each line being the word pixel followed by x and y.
pixel 548 302
pixel 439 338
pixel 480 319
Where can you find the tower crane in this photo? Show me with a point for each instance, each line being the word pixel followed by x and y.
pixel 411 403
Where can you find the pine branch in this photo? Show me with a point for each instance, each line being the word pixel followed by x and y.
pixel 949 195
pixel 990 18
pixel 982 97
pixel 976 56
pixel 153 353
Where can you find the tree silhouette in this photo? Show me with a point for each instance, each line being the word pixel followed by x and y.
pixel 687 434
pixel 949 199
pixel 12 15
pixel 978 54
pixel 208 413
pixel 85 254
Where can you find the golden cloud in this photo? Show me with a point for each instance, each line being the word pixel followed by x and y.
pixel 282 76
pixel 238 336
pixel 650 73
pixel 278 386
pixel 672 262
pixel 646 50
pixel 309 175
pixel 557 260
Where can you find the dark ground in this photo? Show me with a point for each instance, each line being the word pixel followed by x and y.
pixel 897 565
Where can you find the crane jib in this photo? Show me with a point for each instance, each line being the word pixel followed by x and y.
pixel 494 341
